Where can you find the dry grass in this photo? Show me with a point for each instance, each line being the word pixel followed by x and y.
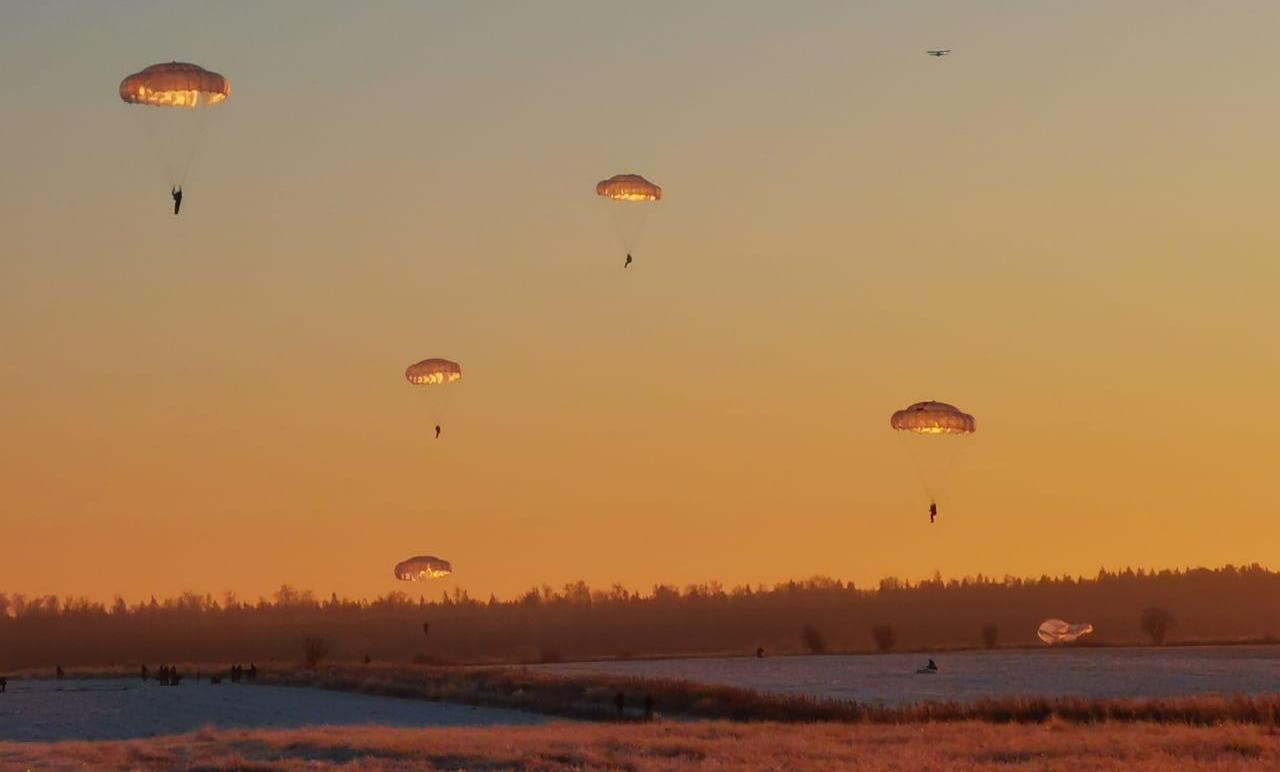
pixel 954 746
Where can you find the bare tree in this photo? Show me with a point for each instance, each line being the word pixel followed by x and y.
pixel 1156 622
pixel 314 649
pixel 813 640
pixel 990 634
pixel 885 637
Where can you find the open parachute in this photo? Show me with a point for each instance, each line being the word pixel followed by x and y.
pixel 435 377
pixel 433 372
pixel 175 84
pixel 629 198
pixel 1054 631
pixel 172 101
pixel 628 187
pixel 932 432
pixel 422 567
pixel 930 418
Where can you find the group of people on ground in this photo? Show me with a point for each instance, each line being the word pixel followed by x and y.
pixel 169 675
pixel 237 673
pixel 166 675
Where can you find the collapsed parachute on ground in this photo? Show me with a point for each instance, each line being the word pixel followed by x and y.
pixel 1054 631
pixel 433 372
pixel 423 567
pixel 931 418
pixel 171 102
pixel 628 187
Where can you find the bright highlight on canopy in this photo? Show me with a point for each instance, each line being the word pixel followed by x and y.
pixel 433 372
pixel 175 84
pixel 423 567
pixel 1054 631
pixel 933 418
pixel 628 187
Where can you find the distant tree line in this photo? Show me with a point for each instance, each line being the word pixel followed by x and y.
pixel 818 615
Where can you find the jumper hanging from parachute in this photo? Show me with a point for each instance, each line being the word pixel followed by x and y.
pixel 436 377
pixel 172 102
pixel 933 432
pixel 629 198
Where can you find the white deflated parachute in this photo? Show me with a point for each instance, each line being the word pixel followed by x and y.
pixel 1053 631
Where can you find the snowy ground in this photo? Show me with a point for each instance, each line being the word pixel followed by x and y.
pixel 121 709
pixel 891 679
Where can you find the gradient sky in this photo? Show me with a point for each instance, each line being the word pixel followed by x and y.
pixel 1067 228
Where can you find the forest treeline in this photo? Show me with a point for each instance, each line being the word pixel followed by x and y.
pixel 576 621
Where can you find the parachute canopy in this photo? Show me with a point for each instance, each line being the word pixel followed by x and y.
pixel 423 567
pixel 433 372
pixel 628 187
pixel 933 418
pixel 175 84
pixel 1056 631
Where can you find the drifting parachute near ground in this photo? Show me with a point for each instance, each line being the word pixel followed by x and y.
pixel 172 102
pixel 422 567
pixel 1054 631
pixel 629 198
pixel 436 377
pixel 931 431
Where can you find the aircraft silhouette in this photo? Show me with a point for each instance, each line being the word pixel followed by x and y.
pixel 938 52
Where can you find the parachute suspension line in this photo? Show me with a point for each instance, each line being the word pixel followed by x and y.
pixel 152 134
pixel 193 146
pixel 628 237
pixel 932 459
pixel 917 464
pixel 643 221
pixel 617 226
pixel 440 403
pixel 196 144
pixel 949 452
pixel 173 136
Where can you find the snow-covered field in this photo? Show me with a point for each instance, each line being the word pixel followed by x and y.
pixel 127 708
pixel 891 679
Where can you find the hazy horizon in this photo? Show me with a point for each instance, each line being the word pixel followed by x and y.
pixel 1066 228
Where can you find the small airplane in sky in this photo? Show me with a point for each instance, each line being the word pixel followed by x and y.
pixel 938 52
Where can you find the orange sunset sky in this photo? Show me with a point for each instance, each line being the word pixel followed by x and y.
pixel 1067 228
